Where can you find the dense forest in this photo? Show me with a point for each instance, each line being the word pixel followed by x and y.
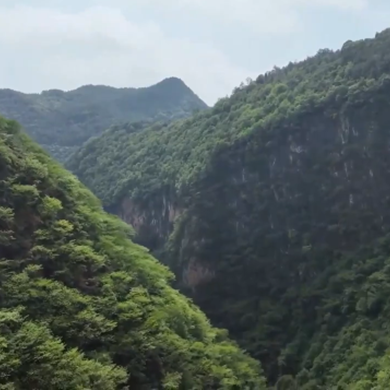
pixel 82 306
pixel 272 209
pixel 62 121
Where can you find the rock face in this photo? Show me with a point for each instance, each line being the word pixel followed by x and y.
pixel 281 223
pixel 153 223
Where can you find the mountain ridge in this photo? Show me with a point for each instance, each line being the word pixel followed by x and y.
pixel 62 121
pixel 170 81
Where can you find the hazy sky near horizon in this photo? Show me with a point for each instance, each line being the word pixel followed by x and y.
pixel 212 45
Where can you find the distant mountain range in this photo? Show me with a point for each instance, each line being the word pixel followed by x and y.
pixel 62 121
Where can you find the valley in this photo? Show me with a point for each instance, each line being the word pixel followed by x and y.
pixel 241 246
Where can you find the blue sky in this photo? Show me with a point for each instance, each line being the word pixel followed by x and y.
pixel 212 45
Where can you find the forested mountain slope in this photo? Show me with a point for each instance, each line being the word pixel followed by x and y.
pixel 82 307
pixel 61 121
pixel 280 196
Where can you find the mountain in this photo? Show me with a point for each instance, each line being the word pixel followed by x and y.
pixel 62 121
pixel 272 209
pixel 82 306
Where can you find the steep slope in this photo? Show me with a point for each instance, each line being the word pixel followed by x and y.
pixel 280 198
pixel 82 307
pixel 61 121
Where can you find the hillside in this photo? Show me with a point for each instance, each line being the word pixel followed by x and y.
pixel 272 209
pixel 61 121
pixel 82 306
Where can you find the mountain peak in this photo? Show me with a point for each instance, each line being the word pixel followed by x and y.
pixel 176 88
pixel 172 81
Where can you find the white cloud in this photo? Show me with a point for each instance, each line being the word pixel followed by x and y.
pixel 353 5
pixel 261 16
pixel 265 16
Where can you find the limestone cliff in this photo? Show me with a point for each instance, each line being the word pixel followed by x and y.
pixel 152 221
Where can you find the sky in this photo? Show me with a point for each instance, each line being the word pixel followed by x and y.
pixel 212 45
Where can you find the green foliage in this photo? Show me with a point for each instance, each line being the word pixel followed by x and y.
pixel 31 358
pixel 82 306
pixel 276 207
pixel 62 121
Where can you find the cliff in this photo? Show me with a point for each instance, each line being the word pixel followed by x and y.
pixel 272 210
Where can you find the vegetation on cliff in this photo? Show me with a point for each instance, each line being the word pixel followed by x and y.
pixel 61 121
pixel 282 191
pixel 82 306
